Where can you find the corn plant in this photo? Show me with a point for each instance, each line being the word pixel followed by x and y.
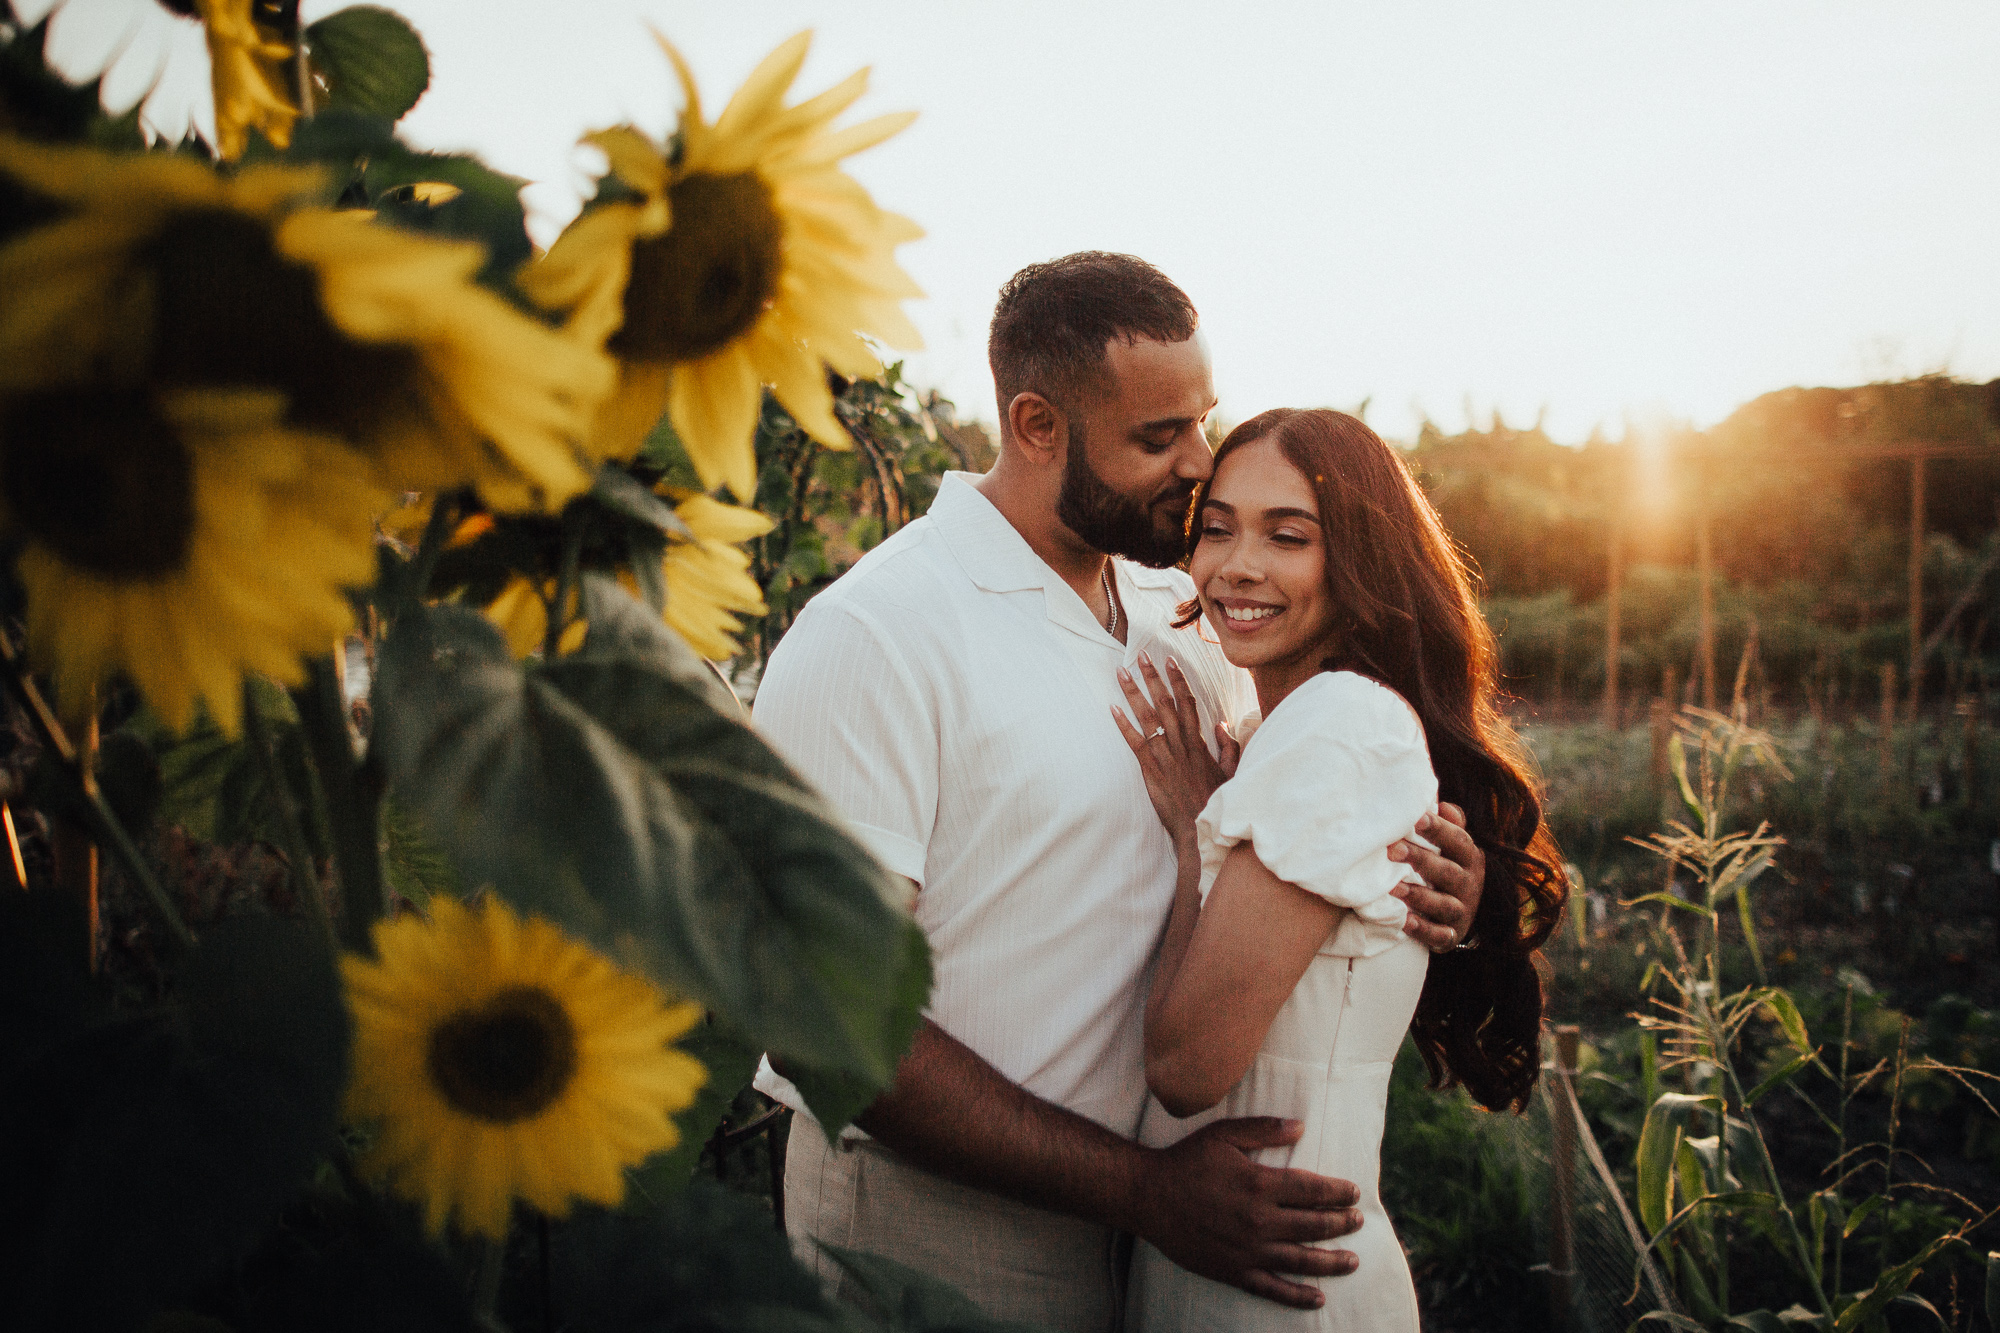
pixel 1704 1167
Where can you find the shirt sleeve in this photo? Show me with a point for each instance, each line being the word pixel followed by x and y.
pixel 1322 792
pixel 839 703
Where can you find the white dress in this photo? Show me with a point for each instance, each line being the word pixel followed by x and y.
pixel 1337 773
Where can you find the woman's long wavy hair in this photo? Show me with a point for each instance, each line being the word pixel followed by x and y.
pixel 1406 615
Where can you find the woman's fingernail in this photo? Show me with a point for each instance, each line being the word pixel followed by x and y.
pixel 1173 662
pixel 1424 822
pixel 1124 676
pixel 1144 660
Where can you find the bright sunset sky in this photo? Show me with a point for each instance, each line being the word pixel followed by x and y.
pixel 1611 211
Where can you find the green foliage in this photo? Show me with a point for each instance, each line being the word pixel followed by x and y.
pixel 369 60
pixel 1463 1206
pixel 142 1151
pixel 606 792
pixel 1704 1170
pixel 832 507
pixel 372 168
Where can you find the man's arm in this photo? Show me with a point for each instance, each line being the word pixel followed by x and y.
pixel 1203 1202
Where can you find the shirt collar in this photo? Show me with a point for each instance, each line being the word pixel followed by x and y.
pixel 995 556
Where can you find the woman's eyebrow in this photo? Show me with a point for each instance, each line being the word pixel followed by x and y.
pixel 1306 514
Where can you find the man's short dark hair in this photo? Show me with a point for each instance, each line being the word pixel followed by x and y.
pixel 1053 320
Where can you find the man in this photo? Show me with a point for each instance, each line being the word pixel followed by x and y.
pixel 951 697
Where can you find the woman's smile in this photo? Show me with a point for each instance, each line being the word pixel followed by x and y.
pixel 1260 566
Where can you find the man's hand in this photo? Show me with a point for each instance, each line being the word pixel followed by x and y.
pixel 1442 909
pixel 1213 1211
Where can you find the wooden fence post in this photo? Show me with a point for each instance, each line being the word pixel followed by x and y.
pixel 1887 739
pixel 1968 713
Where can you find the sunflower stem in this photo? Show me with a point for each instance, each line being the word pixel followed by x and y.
pixel 108 829
pixel 558 617
pixel 444 517
pixel 305 877
pixel 492 1266
pixel 354 803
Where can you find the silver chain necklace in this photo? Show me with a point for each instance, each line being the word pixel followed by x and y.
pixel 1111 599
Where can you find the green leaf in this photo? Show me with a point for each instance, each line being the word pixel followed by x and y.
pixel 144 1153
pixel 609 792
pixel 1993 1288
pixel 1659 1147
pixel 1860 1215
pixel 731 1063
pixel 1782 1075
pixel 1670 899
pixel 708 1258
pixel 1889 1284
pixel 372 166
pixel 1677 760
pixel 1783 1008
pixel 907 1301
pixel 373 61
pixel 618 491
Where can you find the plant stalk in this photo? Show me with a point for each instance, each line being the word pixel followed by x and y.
pixel 558 616
pixel 354 804
pixel 305 876
pixel 50 732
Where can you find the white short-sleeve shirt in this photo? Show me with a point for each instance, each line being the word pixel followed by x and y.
pixel 951 697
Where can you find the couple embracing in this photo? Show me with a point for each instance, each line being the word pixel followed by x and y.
pixel 1176 947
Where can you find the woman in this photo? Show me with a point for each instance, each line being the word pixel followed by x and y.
pixel 1285 983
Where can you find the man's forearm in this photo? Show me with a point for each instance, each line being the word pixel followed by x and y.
pixel 953 1113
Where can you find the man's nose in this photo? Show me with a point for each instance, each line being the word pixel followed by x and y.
pixel 1192 460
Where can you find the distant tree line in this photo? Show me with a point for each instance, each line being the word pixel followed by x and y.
pixel 1807 498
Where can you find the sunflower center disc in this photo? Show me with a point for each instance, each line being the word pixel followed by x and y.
pixel 232 311
pixel 99 478
pixel 507 1060
pixel 706 280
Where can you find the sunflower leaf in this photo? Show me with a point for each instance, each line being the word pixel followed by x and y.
pixel 371 60
pixel 608 792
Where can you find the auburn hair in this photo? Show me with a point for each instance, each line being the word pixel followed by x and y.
pixel 1406 615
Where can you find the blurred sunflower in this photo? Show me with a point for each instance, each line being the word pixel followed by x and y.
pixel 504 1060
pixel 748 258
pixel 708 579
pixel 182 539
pixel 164 270
pixel 522 613
pixel 247 68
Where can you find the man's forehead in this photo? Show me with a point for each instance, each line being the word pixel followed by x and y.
pixel 1175 378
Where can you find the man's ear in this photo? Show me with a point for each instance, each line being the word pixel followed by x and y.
pixel 1038 426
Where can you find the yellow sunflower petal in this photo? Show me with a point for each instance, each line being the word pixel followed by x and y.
pixel 713 404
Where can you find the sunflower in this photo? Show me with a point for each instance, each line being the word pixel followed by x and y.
pixel 503 1060
pixel 708 579
pixel 182 539
pixel 164 270
pixel 247 68
pixel 747 258
pixel 522 614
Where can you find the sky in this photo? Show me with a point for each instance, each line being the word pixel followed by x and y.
pixel 1592 214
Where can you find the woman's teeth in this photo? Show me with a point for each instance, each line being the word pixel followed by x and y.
pixel 1250 612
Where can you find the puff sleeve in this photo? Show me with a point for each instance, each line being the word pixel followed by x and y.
pixel 1338 773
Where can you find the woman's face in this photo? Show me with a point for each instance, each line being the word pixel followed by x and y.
pixel 1259 567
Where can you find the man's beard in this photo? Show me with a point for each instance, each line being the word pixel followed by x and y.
pixel 1114 523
